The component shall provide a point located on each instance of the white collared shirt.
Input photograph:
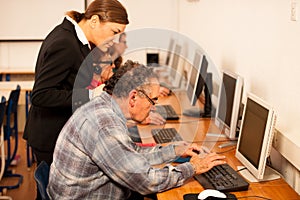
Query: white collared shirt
(80, 34)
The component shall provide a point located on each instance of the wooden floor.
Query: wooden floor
(27, 190)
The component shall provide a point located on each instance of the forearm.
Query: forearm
(158, 154)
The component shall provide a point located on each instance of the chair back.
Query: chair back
(2, 110)
(13, 101)
(11, 123)
(41, 176)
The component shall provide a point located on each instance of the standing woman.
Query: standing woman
(60, 57)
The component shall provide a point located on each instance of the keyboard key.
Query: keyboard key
(223, 178)
(167, 112)
(165, 135)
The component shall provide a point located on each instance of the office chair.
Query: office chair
(11, 130)
(2, 154)
(41, 176)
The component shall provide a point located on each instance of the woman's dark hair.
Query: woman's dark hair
(129, 76)
(107, 10)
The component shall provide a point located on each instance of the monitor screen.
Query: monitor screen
(152, 59)
(176, 68)
(254, 143)
(175, 61)
(194, 74)
(170, 49)
(229, 102)
(197, 79)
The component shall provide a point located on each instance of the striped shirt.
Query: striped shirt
(95, 158)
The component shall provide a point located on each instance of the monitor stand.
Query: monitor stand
(230, 143)
(196, 112)
(208, 111)
(269, 175)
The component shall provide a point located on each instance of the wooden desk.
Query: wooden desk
(276, 190)
(9, 71)
(11, 85)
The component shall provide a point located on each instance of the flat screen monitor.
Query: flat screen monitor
(197, 78)
(152, 59)
(229, 103)
(256, 135)
(175, 68)
(175, 60)
(194, 74)
(169, 51)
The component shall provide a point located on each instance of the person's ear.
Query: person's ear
(94, 19)
(132, 98)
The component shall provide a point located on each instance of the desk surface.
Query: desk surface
(29, 70)
(11, 85)
(277, 189)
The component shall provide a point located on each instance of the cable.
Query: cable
(241, 169)
(253, 197)
(182, 122)
(199, 141)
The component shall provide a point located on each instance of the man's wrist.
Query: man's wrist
(195, 168)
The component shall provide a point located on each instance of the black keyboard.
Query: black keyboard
(223, 178)
(165, 135)
(167, 112)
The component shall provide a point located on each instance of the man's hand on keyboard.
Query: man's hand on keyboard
(185, 149)
(154, 118)
(204, 164)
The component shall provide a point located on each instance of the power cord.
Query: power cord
(260, 197)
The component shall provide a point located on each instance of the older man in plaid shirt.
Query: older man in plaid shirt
(95, 157)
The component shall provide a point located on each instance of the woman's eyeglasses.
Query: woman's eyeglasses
(108, 62)
(98, 67)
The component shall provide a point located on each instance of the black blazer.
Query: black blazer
(58, 64)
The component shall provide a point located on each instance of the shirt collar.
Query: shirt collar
(115, 107)
(80, 34)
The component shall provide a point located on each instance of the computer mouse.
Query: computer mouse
(211, 193)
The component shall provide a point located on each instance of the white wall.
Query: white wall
(257, 40)
(152, 13)
(33, 19)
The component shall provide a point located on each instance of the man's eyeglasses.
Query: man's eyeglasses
(153, 101)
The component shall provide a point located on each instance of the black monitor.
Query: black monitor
(196, 78)
(198, 82)
(152, 59)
